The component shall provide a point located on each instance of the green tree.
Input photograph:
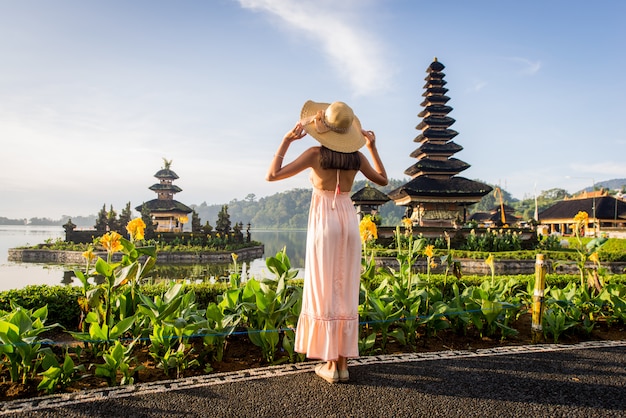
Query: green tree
(553, 195)
(112, 220)
(125, 216)
(101, 220)
(491, 200)
(146, 217)
(196, 226)
(223, 221)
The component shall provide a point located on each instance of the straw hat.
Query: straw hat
(334, 125)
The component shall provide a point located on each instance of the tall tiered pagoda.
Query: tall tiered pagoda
(436, 196)
(167, 214)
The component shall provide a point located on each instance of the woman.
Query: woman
(328, 325)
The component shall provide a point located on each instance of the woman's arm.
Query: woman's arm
(305, 160)
(377, 173)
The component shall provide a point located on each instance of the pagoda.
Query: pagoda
(436, 196)
(368, 201)
(167, 214)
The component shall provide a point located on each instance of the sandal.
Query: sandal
(327, 375)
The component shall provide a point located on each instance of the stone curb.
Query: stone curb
(65, 399)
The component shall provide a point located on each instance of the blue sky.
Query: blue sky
(93, 95)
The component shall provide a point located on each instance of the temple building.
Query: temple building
(494, 217)
(605, 213)
(167, 214)
(368, 201)
(436, 196)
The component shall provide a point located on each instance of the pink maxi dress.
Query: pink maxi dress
(328, 325)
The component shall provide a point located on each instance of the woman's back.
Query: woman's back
(326, 178)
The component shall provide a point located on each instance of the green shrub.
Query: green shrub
(206, 292)
(61, 300)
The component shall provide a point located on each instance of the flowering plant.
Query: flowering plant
(99, 300)
(368, 229)
(587, 252)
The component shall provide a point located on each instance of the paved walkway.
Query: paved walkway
(581, 380)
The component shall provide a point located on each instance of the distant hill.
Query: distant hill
(615, 184)
(289, 209)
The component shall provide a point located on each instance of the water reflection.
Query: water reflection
(294, 241)
(17, 275)
(190, 271)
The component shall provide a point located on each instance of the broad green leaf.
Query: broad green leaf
(122, 326)
(103, 268)
(173, 292)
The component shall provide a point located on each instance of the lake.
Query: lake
(18, 275)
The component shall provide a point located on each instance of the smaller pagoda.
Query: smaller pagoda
(368, 201)
(168, 215)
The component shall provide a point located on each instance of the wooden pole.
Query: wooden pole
(537, 309)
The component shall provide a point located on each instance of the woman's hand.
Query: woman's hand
(296, 133)
(370, 138)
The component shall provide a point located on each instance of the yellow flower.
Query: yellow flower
(235, 256)
(136, 229)
(581, 217)
(367, 229)
(408, 226)
(89, 255)
(111, 241)
(580, 222)
(429, 251)
(433, 264)
(594, 258)
(489, 261)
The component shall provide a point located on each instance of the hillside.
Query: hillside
(289, 209)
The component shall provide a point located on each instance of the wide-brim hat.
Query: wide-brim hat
(334, 125)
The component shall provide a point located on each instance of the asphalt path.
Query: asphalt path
(582, 380)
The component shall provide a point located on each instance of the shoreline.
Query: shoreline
(76, 257)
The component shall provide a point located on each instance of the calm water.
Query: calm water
(17, 275)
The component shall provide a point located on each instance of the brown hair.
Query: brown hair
(330, 159)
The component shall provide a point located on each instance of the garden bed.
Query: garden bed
(241, 354)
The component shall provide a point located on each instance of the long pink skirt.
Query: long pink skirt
(328, 326)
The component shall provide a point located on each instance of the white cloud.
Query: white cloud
(478, 86)
(353, 52)
(528, 67)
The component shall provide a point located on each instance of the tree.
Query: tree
(491, 201)
(553, 195)
(125, 216)
(196, 226)
(101, 220)
(112, 220)
(237, 231)
(146, 217)
(223, 221)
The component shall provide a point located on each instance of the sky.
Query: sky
(94, 95)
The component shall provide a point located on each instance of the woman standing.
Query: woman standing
(328, 325)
